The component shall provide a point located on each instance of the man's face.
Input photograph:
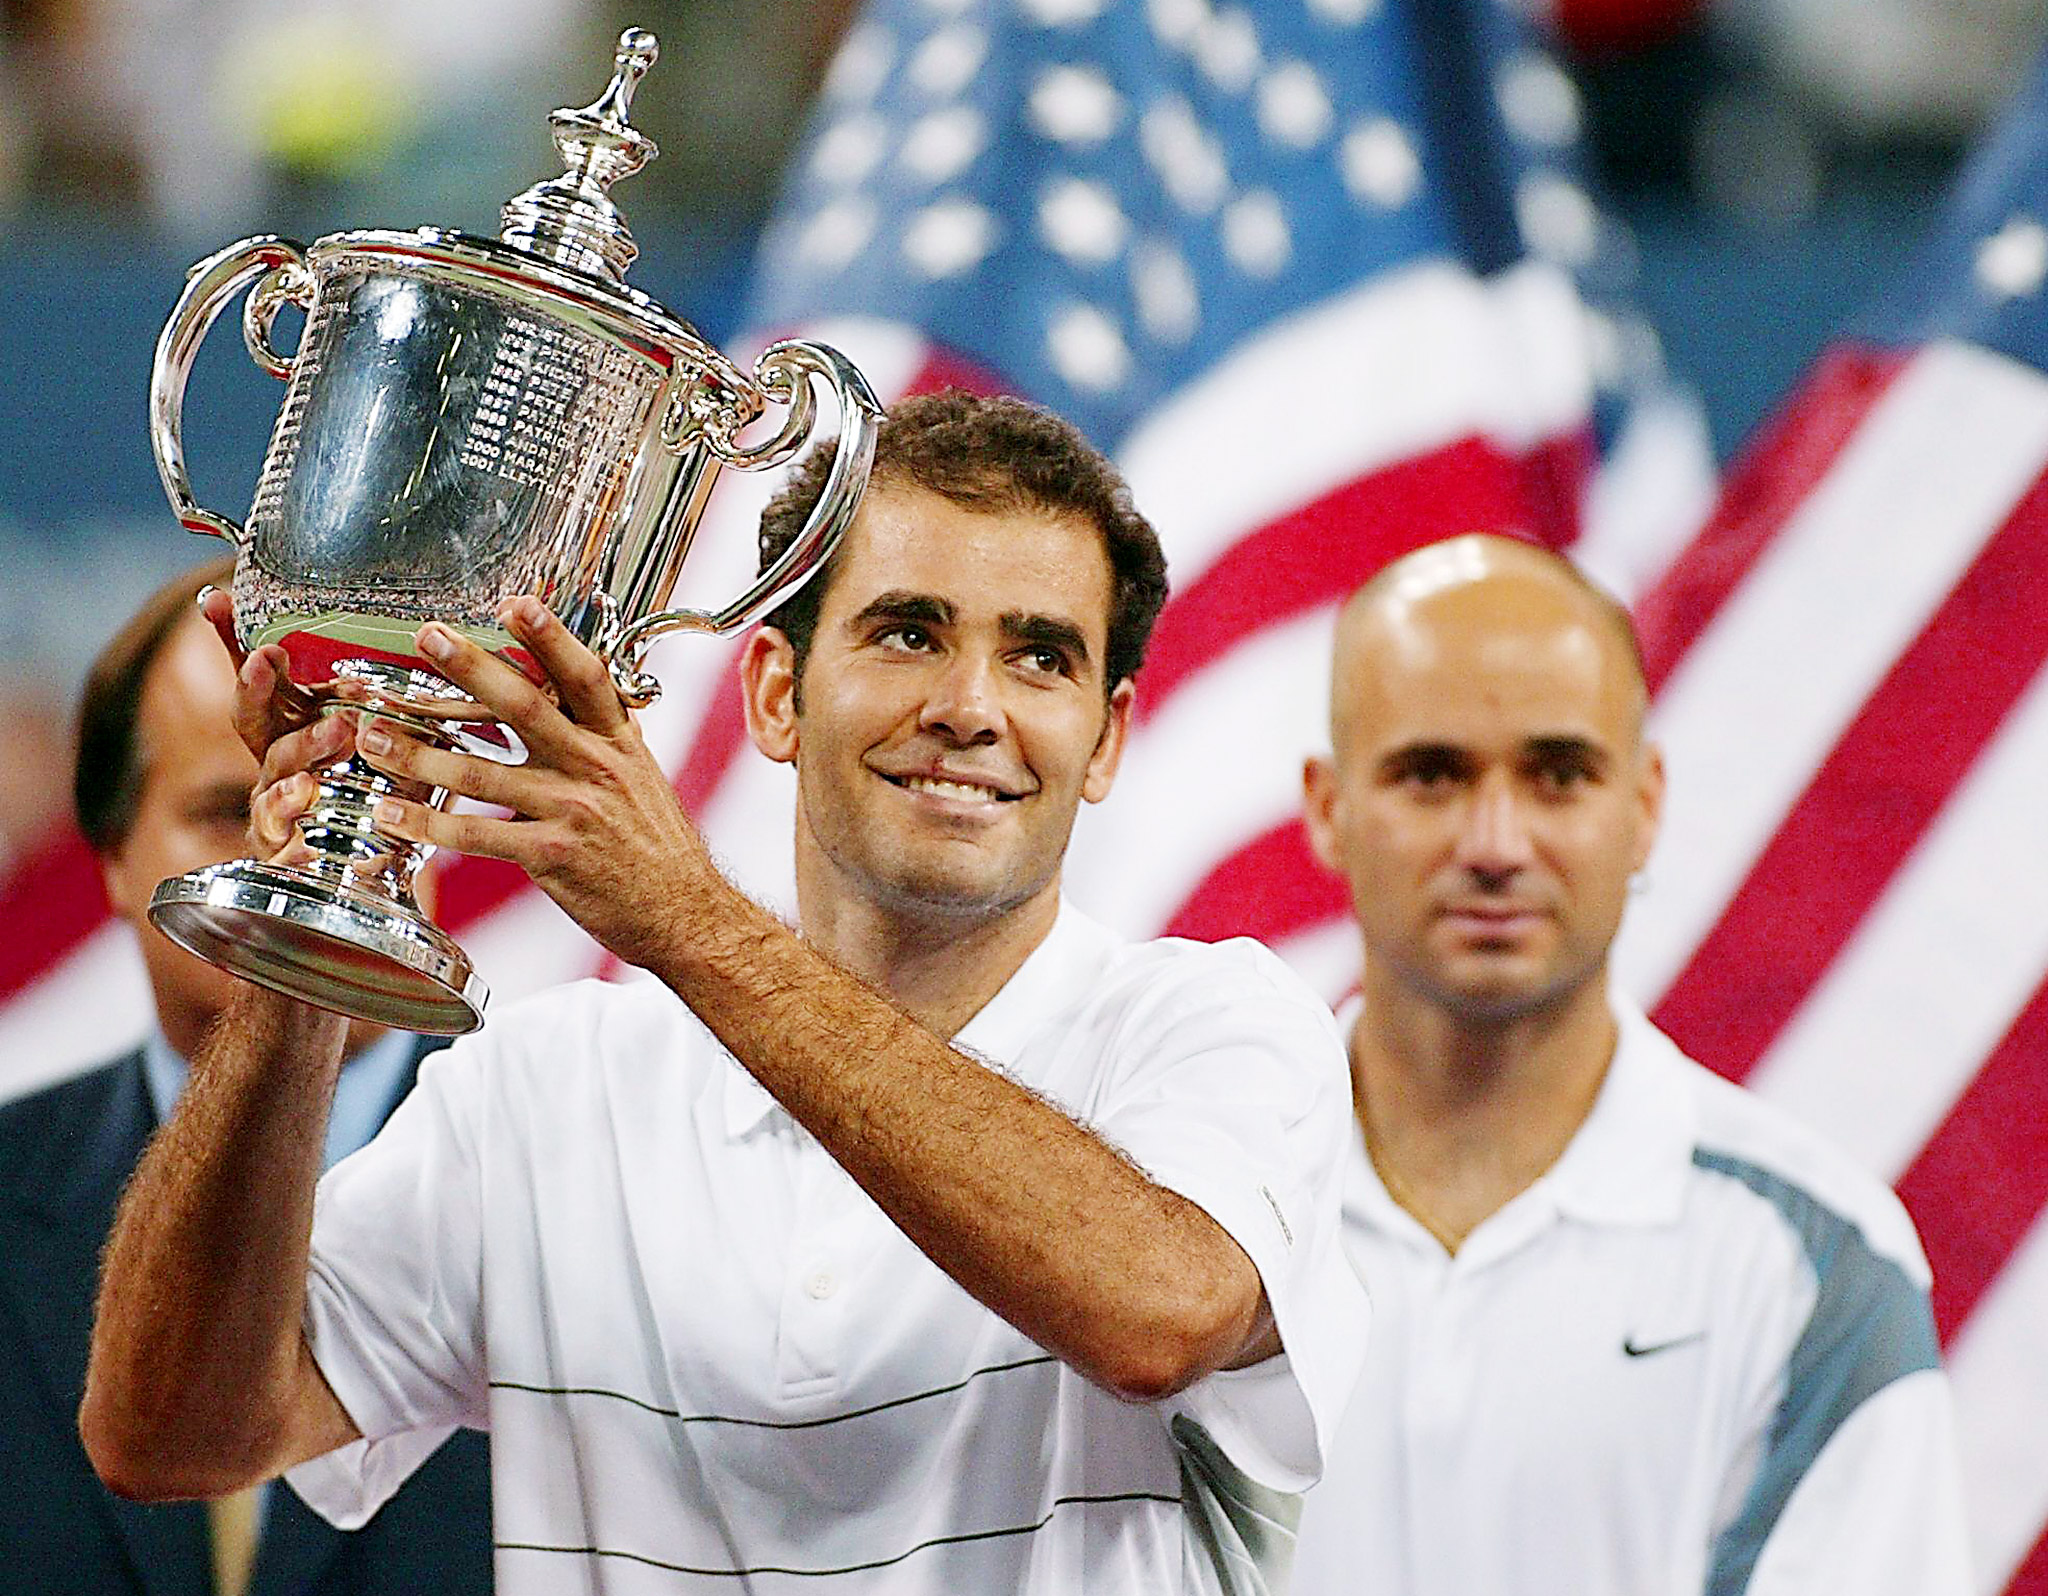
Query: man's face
(953, 708)
(1490, 796)
(193, 811)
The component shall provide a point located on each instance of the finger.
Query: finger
(217, 605)
(275, 809)
(327, 738)
(391, 750)
(266, 702)
(579, 675)
(500, 688)
(295, 852)
(485, 836)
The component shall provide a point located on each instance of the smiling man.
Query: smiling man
(1636, 1333)
(951, 1245)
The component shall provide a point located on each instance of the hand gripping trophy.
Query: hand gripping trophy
(467, 420)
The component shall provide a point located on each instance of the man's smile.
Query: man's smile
(955, 787)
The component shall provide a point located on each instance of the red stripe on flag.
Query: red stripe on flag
(1271, 888)
(943, 369)
(472, 888)
(1913, 741)
(2031, 1577)
(720, 735)
(1321, 552)
(1765, 488)
(1980, 1183)
(51, 901)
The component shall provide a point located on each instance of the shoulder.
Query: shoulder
(1805, 1181)
(1211, 977)
(1170, 1004)
(560, 1038)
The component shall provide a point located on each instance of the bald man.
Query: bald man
(1636, 1333)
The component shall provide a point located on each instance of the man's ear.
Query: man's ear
(1319, 810)
(1650, 796)
(1109, 747)
(768, 689)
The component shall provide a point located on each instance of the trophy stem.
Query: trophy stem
(342, 931)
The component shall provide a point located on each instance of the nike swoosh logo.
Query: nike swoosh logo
(1629, 1346)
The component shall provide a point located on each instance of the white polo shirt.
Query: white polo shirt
(709, 1362)
(1696, 1356)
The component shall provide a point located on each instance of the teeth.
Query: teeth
(938, 788)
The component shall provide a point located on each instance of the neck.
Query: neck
(940, 968)
(1463, 1114)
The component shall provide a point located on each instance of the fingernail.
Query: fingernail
(376, 741)
(390, 810)
(533, 612)
(435, 643)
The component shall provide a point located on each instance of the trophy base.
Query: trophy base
(359, 953)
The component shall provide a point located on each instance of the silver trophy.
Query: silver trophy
(466, 420)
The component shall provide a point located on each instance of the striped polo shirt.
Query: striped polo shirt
(1695, 1358)
(708, 1362)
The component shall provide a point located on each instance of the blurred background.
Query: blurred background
(1851, 663)
(1770, 161)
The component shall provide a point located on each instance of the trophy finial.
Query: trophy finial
(571, 219)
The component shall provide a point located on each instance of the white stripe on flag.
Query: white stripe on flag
(1429, 355)
(2000, 1381)
(1846, 587)
(1949, 955)
(1219, 766)
(526, 945)
(1329, 957)
(90, 1008)
(748, 826)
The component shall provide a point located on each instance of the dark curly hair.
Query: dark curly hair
(995, 455)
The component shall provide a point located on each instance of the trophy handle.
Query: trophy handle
(281, 266)
(784, 373)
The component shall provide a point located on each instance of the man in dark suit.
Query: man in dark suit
(162, 786)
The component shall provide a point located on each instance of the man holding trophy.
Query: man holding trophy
(1081, 1325)
(949, 1244)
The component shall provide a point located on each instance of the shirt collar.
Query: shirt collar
(1054, 973)
(1627, 1164)
(1629, 1161)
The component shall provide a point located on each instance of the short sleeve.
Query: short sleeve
(1231, 1088)
(1878, 1509)
(393, 1295)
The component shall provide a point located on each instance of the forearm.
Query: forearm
(1031, 1213)
(198, 1376)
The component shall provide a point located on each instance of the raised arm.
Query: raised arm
(1035, 1215)
(199, 1381)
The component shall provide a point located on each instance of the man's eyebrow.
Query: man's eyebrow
(1049, 630)
(1569, 745)
(1421, 751)
(902, 606)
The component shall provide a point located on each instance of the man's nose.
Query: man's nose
(962, 704)
(1494, 841)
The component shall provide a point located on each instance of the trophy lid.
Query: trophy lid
(571, 219)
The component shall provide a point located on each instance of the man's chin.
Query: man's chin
(1498, 988)
(964, 896)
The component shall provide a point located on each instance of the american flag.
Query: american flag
(1321, 275)
(1847, 905)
